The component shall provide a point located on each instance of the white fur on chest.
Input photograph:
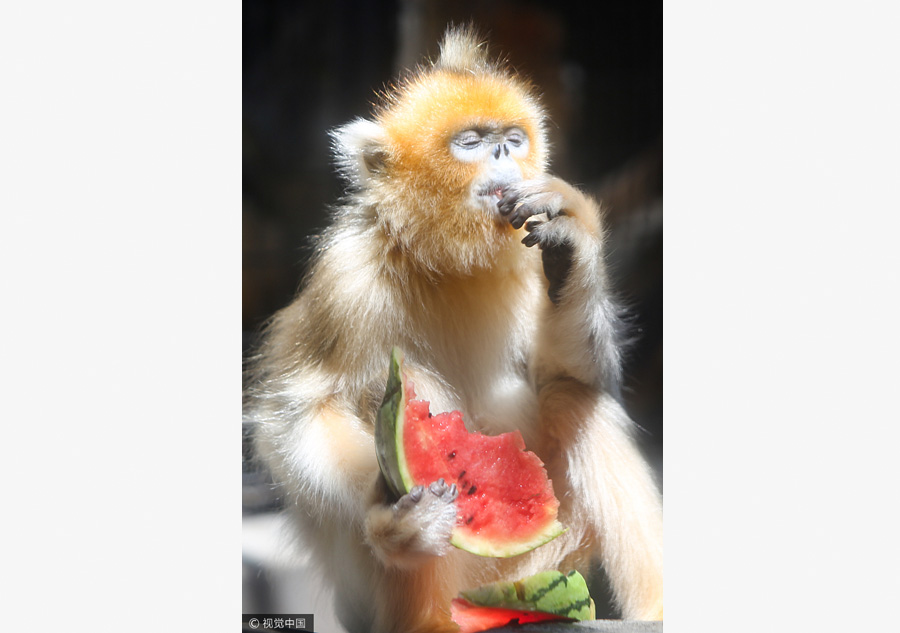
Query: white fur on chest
(490, 388)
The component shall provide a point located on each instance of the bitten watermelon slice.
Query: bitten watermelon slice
(549, 595)
(506, 504)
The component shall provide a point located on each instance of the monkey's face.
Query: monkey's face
(455, 137)
(498, 153)
(453, 141)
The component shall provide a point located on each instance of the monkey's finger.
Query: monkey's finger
(521, 213)
(517, 221)
(505, 204)
(514, 210)
(531, 239)
(532, 225)
(410, 499)
(509, 192)
(510, 201)
(441, 490)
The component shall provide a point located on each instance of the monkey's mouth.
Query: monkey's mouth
(489, 195)
(493, 190)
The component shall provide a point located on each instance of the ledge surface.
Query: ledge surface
(604, 626)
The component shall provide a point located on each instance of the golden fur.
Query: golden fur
(417, 258)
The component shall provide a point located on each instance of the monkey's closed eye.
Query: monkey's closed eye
(470, 139)
(515, 137)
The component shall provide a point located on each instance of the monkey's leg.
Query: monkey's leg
(612, 491)
(417, 601)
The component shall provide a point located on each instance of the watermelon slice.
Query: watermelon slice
(506, 504)
(472, 618)
(549, 595)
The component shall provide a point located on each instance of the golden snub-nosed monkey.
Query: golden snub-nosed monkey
(455, 244)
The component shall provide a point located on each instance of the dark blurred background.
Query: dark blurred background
(311, 66)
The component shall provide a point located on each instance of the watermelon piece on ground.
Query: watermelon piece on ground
(548, 595)
(472, 618)
(548, 591)
(506, 504)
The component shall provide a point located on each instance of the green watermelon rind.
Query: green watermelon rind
(504, 549)
(392, 461)
(550, 591)
(389, 429)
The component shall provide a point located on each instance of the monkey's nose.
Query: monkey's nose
(497, 151)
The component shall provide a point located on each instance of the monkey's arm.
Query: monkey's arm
(577, 373)
(579, 327)
(323, 460)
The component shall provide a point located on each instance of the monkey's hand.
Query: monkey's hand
(570, 225)
(415, 528)
(577, 337)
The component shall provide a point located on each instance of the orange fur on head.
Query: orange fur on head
(462, 90)
(435, 107)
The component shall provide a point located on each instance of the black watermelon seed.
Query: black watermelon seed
(452, 455)
(461, 475)
(470, 519)
(471, 491)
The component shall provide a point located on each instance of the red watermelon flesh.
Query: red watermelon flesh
(506, 503)
(472, 618)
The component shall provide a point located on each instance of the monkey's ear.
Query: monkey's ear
(361, 151)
